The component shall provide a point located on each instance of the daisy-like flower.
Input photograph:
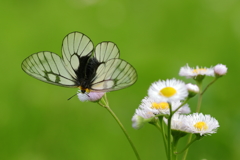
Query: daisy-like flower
(220, 70)
(144, 113)
(162, 108)
(192, 89)
(194, 72)
(167, 91)
(177, 122)
(197, 123)
(91, 96)
(152, 106)
(141, 117)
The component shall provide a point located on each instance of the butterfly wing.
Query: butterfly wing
(105, 51)
(113, 75)
(77, 48)
(48, 67)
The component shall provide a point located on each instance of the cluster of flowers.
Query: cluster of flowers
(170, 97)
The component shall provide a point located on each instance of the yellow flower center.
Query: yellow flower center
(161, 105)
(201, 126)
(199, 70)
(168, 92)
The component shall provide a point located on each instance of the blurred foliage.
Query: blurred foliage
(157, 37)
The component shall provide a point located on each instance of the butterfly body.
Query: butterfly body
(82, 66)
(85, 74)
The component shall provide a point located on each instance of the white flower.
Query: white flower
(192, 89)
(144, 113)
(154, 107)
(169, 90)
(177, 122)
(194, 72)
(220, 69)
(91, 96)
(148, 105)
(198, 123)
(141, 117)
(137, 121)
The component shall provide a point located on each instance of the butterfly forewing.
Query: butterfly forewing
(75, 46)
(48, 67)
(105, 51)
(113, 75)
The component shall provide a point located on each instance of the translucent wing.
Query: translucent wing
(113, 75)
(48, 67)
(75, 46)
(105, 51)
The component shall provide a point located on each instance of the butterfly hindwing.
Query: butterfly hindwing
(48, 67)
(105, 51)
(113, 75)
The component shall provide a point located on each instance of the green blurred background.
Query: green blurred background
(157, 37)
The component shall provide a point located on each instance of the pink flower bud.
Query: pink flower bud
(220, 69)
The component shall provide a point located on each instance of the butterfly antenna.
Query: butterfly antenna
(72, 96)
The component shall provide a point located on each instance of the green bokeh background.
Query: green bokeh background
(157, 37)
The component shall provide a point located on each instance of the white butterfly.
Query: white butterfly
(81, 66)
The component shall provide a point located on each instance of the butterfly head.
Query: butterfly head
(84, 90)
(85, 94)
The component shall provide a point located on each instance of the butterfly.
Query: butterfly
(82, 66)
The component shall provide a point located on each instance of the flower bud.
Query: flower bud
(220, 70)
(192, 89)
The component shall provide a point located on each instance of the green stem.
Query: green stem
(104, 102)
(175, 142)
(199, 97)
(188, 145)
(186, 150)
(162, 129)
(209, 85)
(169, 136)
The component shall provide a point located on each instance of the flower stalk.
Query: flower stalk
(104, 103)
